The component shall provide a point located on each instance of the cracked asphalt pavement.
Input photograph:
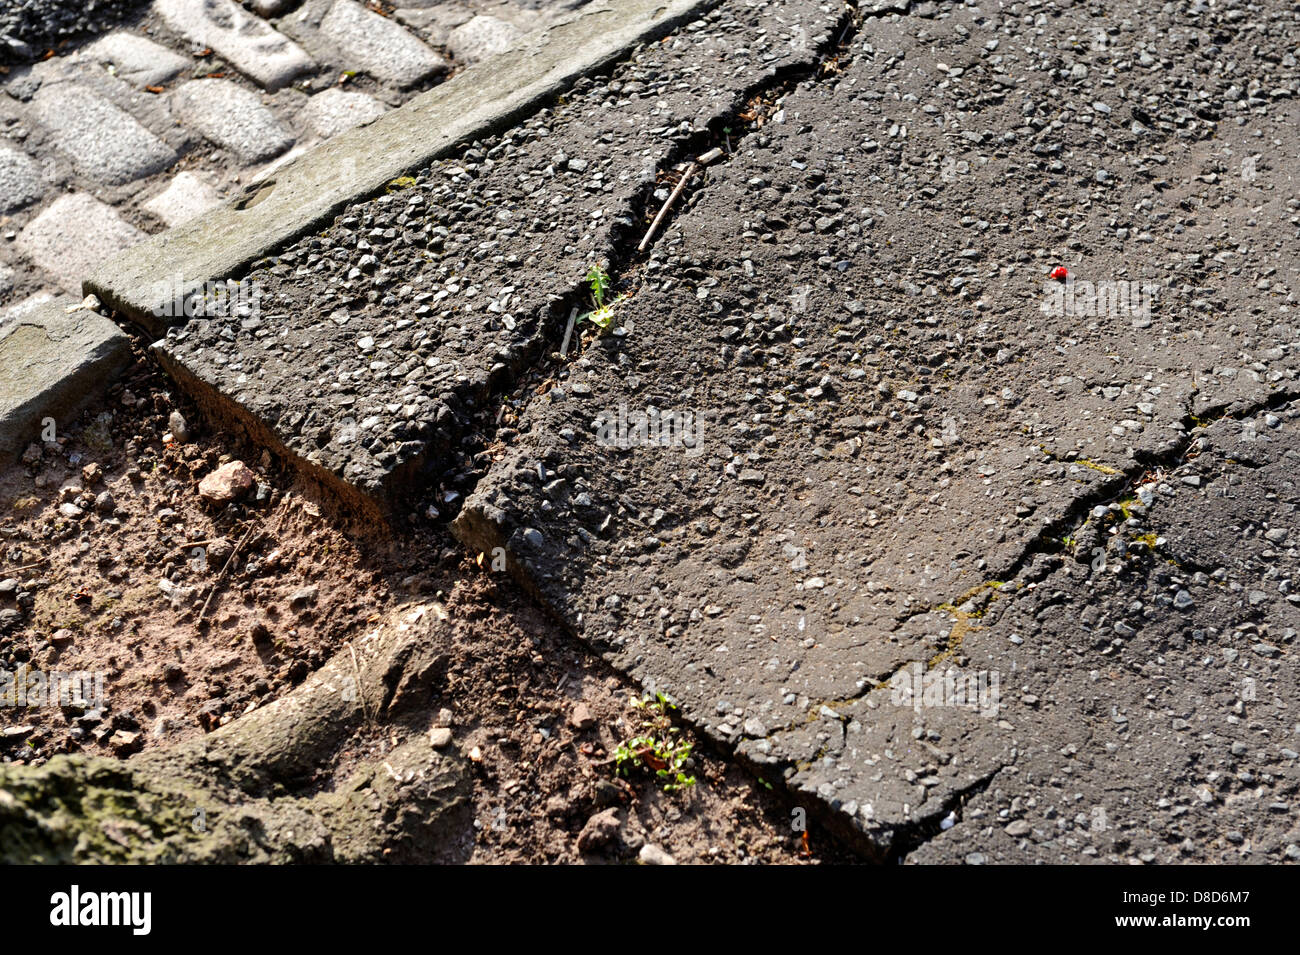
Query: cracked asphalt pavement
(939, 458)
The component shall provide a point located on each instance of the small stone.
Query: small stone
(260, 635)
(599, 831)
(440, 737)
(125, 742)
(178, 426)
(651, 854)
(304, 597)
(581, 717)
(226, 483)
(1018, 828)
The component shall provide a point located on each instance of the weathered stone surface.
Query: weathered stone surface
(52, 362)
(250, 43)
(379, 46)
(135, 59)
(233, 118)
(360, 162)
(481, 37)
(74, 235)
(21, 182)
(104, 142)
(334, 111)
(186, 197)
(25, 306)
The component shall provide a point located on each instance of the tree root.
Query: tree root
(246, 792)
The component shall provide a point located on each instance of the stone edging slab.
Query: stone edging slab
(151, 280)
(52, 362)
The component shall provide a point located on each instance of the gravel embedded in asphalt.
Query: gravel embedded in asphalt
(29, 27)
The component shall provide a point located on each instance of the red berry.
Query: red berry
(1060, 273)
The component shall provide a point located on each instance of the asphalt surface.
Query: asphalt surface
(30, 27)
(940, 460)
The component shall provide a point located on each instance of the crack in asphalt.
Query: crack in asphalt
(624, 262)
(1049, 541)
(915, 835)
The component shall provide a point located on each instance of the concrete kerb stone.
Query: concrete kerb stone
(52, 363)
(309, 191)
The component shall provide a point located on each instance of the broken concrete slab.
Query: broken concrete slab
(73, 235)
(52, 363)
(811, 459)
(306, 193)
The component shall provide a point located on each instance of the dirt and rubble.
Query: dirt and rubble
(196, 614)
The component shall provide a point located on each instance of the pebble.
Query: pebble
(179, 427)
(651, 854)
(227, 483)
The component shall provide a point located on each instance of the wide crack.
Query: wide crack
(686, 171)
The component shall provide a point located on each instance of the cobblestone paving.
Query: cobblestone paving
(188, 100)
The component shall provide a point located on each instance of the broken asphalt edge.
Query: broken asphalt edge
(149, 280)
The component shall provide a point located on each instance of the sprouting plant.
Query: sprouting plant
(602, 312)
(657, 748)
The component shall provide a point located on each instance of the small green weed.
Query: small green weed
(657, 748)
(602, 312)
